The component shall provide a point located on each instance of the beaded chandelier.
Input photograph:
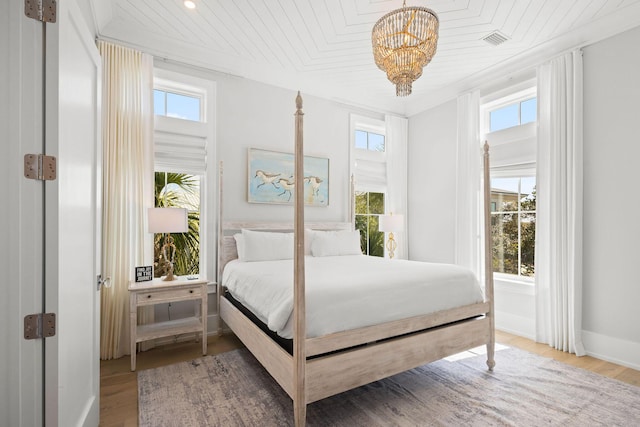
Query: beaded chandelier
(404, 41)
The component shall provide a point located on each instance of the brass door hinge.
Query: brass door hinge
(40, 325)
(39, 166)
(41, 10)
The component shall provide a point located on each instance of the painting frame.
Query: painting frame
(270, 176)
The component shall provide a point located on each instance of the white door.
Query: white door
(21, 219)
(72, 225)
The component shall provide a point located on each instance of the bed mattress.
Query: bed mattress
(349, 292)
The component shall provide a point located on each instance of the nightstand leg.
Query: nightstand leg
(204, 318)
(133, 326)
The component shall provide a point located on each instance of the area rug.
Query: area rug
(232, 389)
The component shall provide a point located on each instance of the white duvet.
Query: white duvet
(347, 292)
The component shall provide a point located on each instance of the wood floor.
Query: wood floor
(119, 386)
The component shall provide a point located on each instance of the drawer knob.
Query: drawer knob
(191, 291)
(148, 296)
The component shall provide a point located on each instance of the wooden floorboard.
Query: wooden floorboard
(119, 386)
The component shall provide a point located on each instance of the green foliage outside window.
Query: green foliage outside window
(513, 229)
(179, 190)
(369, 206)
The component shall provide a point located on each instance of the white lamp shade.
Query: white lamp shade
(168, 220)
(391, 223)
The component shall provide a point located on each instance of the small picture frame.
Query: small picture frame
(144, 273)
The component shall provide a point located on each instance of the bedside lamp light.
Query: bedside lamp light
(389, 224)
(168, 220)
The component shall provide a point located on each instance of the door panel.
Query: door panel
(21, 220)
(72, 230)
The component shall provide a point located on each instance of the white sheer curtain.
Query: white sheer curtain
(127, 135)
(559, 204)
(469, 158)
(397, 135)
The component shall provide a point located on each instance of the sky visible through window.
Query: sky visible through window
(513, 115)
(369, 141)
(511, 184)
(175, 105)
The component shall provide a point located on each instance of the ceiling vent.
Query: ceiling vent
(495, 38)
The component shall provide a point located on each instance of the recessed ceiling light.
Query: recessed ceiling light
(189, 4)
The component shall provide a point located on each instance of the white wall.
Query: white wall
(611, 317)
(611, 295)
(432, 184)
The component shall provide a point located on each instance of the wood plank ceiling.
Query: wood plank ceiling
(323, 47)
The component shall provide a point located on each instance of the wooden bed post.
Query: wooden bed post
(299, 332)
(488, 259)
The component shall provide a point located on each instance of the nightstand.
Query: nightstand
(143, 294)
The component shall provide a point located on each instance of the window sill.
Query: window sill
(503, 283)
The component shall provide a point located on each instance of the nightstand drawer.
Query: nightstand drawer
(169, 295)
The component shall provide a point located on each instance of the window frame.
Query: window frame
(520, 138)
(490, 104)
(384, 209)
(183, 131)
(515, 173)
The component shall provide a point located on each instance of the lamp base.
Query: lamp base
(391, 245)
(169, 277)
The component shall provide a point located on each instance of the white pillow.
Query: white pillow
(308, 238)
(239, 245)
(266, 246)
(330, 243)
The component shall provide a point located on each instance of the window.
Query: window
(184, 152)
(369, 141)
(369, 207)
(180, 106)
(513, 225)
(179, 190)
(515, 114)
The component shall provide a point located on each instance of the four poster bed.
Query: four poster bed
(321, 358)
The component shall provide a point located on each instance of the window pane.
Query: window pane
(528, 111)
(361, 139)
(528, 239)
(362, 224)
(528, 194)
(362, 203)
(504, 117)
(376, 142)
(513, 225)
(181, 191)
(158, 102)
(376, 203)
(504, 231)
(504, 193)
(368, 207)
(183, 107)
(376, 238)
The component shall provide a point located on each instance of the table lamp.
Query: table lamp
(389, 224)
(168, 220)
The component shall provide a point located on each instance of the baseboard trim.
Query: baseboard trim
(614, 350)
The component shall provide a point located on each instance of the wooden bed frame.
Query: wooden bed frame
(390, 348)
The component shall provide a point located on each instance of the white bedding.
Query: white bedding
(347, 292)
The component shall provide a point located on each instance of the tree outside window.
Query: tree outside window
(513, 225)
(179, 190)
(369, 207)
